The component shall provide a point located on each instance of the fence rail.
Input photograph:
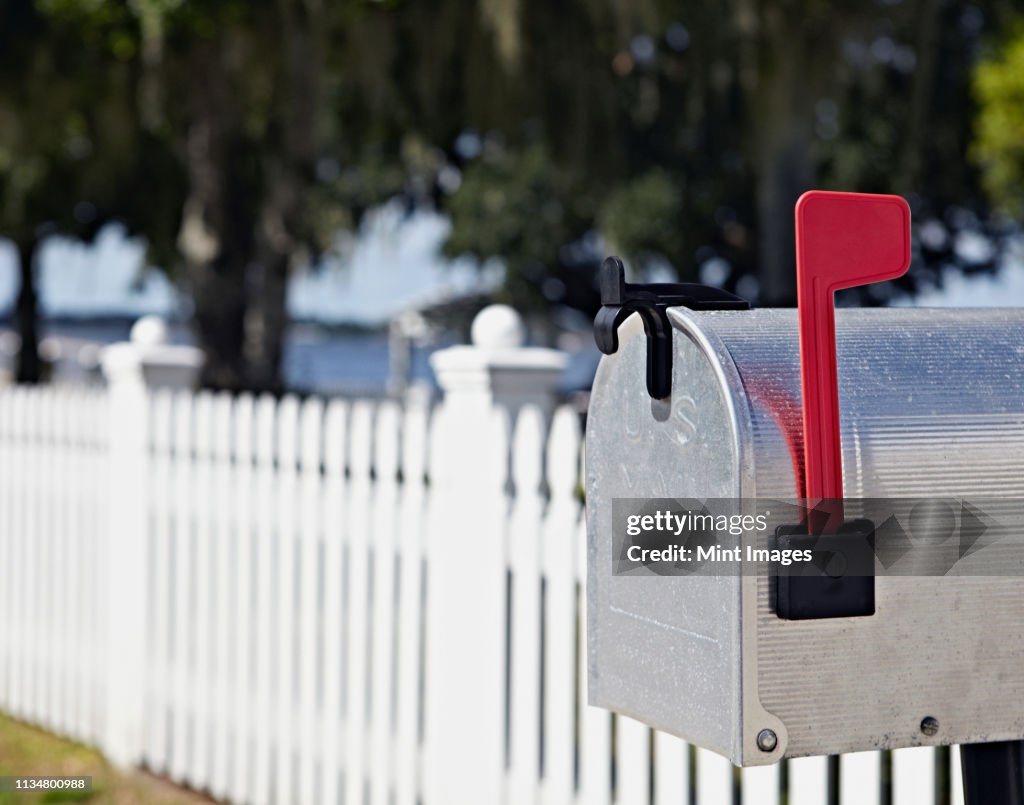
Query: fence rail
(321, 601)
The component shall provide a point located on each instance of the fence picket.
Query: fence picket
(465, 715)
(36, 561)
(714, 778)
(22, 559)
(955, 777)
(562, 523)
(671, 769)
(62, 466)
(18, 546)
(50, 577)
(285, 639)
(357, 654)
(309, 543)
(523, 546)
(38, 604)
(56, 562)
(860, 778)
(31, 589)
(182, 723)
(8, 540)
(332, 636)
(32, 564)
(160, 576)
(223, 578)
(808, 781)
(595, 723)
(382, 537)
(68, 463)
(79, 558)
(913, 776)
(202, 447)
(408, 662)
(83, 646)
(263, 723)
(634, 762)
(99, 575)
(242, 633)
(760, 785)
(59, 570)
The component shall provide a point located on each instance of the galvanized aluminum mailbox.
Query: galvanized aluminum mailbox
(930, 403)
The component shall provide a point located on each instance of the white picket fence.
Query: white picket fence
(326, 601)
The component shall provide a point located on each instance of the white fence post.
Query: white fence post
(496, 370)
(485, 385)
(130, 368)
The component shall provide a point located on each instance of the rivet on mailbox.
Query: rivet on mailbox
(841, 635)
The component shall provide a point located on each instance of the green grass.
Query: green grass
(27, 751)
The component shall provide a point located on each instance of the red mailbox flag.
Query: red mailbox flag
(842, 240)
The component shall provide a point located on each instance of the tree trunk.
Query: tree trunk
(267, 323)
(783, 129)
(215, 265)
(29, 369)
(928, 15)
(282, 227)
(245, 218)
(218, 296)
(785, 173)
(216, 230)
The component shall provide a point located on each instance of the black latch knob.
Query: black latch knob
(619, 299)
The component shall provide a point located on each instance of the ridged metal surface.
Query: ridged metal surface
(932, 401)
(932, 404)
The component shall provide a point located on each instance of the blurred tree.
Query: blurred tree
(999, 144)
(517, 204)
(641, 217)
(272, 110)
(899, 119)
(739, 107)
(240, 137)
(64, 132)
(234, 89)
(26, 166)
(227, 103)
(220, 152)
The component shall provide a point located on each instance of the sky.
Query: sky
(1002, 289)
(395, 263)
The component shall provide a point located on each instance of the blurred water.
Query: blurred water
(315, 359)
(349, 363)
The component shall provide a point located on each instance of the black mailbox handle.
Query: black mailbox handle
(619, 299)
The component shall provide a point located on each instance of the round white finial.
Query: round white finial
(498, 327)
(149, 331)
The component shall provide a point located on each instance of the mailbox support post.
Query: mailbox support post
(993, 773)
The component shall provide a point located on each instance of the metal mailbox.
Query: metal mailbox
(932, 404)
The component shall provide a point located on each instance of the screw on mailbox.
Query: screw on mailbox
(767, 740)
